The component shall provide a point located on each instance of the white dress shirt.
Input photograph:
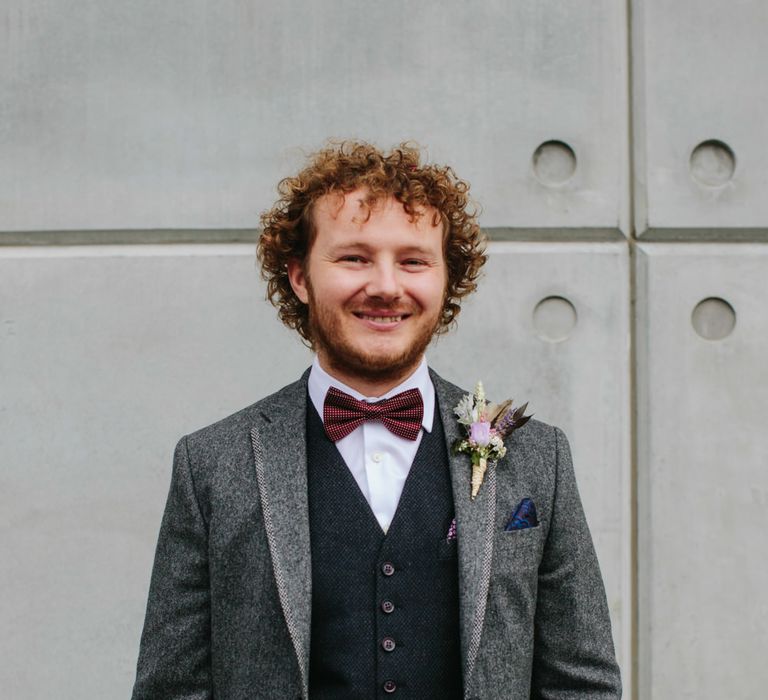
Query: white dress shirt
(378, 459)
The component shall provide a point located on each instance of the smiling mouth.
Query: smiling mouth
(381, 319)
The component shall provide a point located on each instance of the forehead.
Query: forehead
(356, 212)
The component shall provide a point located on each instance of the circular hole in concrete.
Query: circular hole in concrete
(712, 163)
(554, 163)
(554, 318)
(713, 318)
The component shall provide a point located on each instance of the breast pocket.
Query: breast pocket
(520, 549)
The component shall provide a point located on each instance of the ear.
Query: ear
(298, 279)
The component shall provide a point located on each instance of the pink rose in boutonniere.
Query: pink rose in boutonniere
(486, 426)
(480, 433)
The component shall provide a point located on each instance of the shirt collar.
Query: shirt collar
(320, 381)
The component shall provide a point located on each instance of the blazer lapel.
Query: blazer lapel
(474, 526)
(280, 453)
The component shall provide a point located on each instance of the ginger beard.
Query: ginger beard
(341, 355)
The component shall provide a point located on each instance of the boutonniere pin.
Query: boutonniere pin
(486, 426)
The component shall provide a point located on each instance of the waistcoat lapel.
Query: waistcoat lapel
(474, 527)
(280, 453)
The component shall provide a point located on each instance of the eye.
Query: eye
(356, 259)
(413, 262)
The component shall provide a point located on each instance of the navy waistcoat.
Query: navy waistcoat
(385, 608)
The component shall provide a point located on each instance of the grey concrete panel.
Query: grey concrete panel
(699, 75)
(109, 354)
(147, 115)
(702, 481)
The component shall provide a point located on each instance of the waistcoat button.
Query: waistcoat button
(388, 644)
(387, 606)
(390, 686)
(387, 568)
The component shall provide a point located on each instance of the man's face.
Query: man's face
(375, 289)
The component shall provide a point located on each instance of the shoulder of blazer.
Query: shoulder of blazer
(233, 432)
(534, 451)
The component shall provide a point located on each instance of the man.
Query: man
(323, 542)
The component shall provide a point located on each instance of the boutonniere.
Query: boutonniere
(486, 425)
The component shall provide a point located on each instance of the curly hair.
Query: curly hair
(340, 168)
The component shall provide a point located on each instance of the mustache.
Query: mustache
(372, 307)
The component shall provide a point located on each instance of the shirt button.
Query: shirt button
(390, 686)
(388, 644)
(387, 568)
(377, 456)
(387, 606)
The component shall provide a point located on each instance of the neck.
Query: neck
(371, 385)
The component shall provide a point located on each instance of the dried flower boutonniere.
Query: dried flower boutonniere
(486, 425)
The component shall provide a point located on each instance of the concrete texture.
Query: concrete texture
(147, 115)
(703, 485)
(109, 354)
(698, 75)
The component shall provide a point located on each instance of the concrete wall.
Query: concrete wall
(700, 174)
(703, 488)
(700, 146)
(184, 115)
(148, 122)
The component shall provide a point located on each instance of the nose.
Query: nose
(384, 282)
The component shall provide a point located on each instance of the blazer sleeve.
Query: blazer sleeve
(573, 649)
(175, 654)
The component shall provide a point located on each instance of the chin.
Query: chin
(380, 363)
(374, 364)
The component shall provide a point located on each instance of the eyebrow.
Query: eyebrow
(364, 247)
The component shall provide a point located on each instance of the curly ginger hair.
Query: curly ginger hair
(288, 228)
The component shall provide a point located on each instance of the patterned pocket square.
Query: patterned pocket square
(451, 536)
(524, 516)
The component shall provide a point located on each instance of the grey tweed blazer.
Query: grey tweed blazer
(229, 607)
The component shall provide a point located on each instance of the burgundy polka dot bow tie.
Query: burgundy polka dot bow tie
(401, 414)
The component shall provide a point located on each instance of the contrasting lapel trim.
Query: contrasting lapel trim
(474, 524)
(280, 453)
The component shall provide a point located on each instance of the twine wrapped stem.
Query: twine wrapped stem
(478, 472)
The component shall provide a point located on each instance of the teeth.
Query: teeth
(382, 319)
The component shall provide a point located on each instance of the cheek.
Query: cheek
(340, 290)
(430, 292)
